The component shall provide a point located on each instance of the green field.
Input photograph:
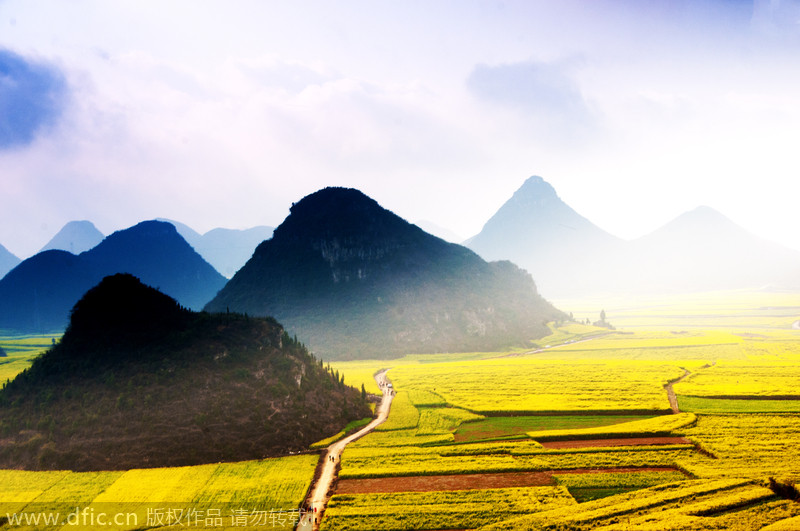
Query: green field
(698, 404)
(517, 426)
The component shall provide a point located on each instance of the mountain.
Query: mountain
(564, 251)
(704, 250)
(138, 381)
(701, 250)
(8, 261)
(75, 237)
(440, 232)
(38, 294)
(225, 249)
(355, 280)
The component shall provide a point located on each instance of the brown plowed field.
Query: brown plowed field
(641, 441)
(470, 481)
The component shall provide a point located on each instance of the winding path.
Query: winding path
(673, 400)
(333, 454)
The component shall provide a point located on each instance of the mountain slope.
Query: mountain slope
(75, 237)
(225, 249)
(138, 381)
(535, 229)
(156, 253)
(38, 294)
(355, 280)
(8, 261)
(704, 250)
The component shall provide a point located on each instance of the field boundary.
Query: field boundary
(574, 413)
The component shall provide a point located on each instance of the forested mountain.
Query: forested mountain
(138, 381)
(355, 280)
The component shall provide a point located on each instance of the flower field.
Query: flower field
(460, 509)
(533, 385)
(20, 351)
(255, 492)
(764, 378)
(460, 419)
(688, 505)
(718, 481)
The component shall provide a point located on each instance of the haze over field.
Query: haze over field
(221, 115)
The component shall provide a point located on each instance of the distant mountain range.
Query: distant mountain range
(8, 261)
(38, 294)
(225, 249)
(138, 382)
(354, 280)
(440, 232)
(569, 256)
(75, 237)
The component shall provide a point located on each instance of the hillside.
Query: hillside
(38, 294)
(225, 249)
(75, 237)
(355, 280)
(8, 261)
(138, 381)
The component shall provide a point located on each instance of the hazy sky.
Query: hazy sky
(224, 113)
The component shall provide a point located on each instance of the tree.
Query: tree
(363, 392)
(602, 316)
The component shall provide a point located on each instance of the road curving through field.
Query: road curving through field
(330, 459)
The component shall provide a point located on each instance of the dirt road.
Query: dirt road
(333, 454)
(559, 345)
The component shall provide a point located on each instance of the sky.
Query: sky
(222, 114)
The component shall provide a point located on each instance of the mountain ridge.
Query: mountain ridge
(226, 250)
(537, 230)
(699, 250)
(75, 237)
(38, 294)
(8, 261)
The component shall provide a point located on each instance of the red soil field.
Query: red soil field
(641, 441)
(470, 481)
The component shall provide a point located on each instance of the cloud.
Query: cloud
(536, 102)
(31, 98)
(532, 86)
(290, 77)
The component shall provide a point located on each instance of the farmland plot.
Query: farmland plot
(533, 385)
(460, 509)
